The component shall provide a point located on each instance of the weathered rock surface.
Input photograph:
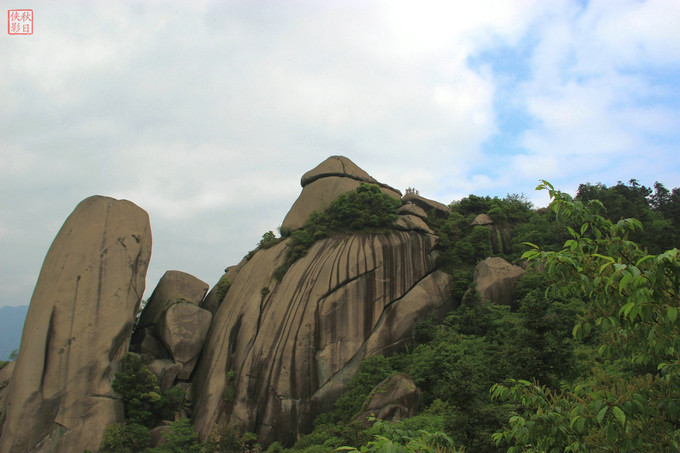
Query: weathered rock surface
(184, 330)
(336, 166)
(285, 349)
(172, 323)
(159, 433)
(411, 222)
(173, 287)
(495, 279)
(394, 399)
(412, 209)
(440, 209)
(166, 371)
(323, 184)
(5, 375)
(482, 219)
(78, 326)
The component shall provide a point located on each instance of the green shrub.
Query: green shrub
(222, 288)
(139, 389)
(225, 438)
(365, 209)
(181, 438)
(280, 271)
(274, 447)
(142, 399)
(268, 240)
(125, 438)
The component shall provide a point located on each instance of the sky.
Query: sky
(207, 113)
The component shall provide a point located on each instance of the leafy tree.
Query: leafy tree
(365, 209)
(391, 437)
(268, 240)
(142, 399)
(222, 287)
(125, 438)
(139, 389)
(630, 400)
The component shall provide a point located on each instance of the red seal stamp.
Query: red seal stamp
(20, 21)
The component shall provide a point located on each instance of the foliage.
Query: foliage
(142, 399)
(372, 372)
(268, 240)
(222, 438)
(12, 356)
(222, 287)
(339, 427)
(365, 209)
(138, 387)
(125, 438)
(658, 211)
(630, 399)
(181, 438)
(391, 437)
(225, 438)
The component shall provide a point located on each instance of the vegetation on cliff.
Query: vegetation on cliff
(365, 209)
(610, 384)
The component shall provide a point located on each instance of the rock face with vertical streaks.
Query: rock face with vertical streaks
(280, 352)
(78, 326)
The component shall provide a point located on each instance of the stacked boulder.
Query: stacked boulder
(172, 327)
(412, 217)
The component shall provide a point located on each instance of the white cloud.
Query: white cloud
(207, 113)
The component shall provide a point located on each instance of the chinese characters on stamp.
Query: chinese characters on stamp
(20, 21)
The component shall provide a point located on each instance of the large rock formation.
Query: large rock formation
(272, 352)
(324, 183)
(279, 352)
(78, 326)
(495, 279)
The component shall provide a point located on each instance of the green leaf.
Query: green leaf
(572, 232)
(580, 424)
(601, 414)
(626, 309)
(672, 314)
(620, 416)
(625, 281)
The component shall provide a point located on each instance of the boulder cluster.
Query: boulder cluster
(263, 352)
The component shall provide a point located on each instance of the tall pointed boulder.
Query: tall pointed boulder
(78, 326)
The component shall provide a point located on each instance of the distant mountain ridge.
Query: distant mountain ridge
(11, 325)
